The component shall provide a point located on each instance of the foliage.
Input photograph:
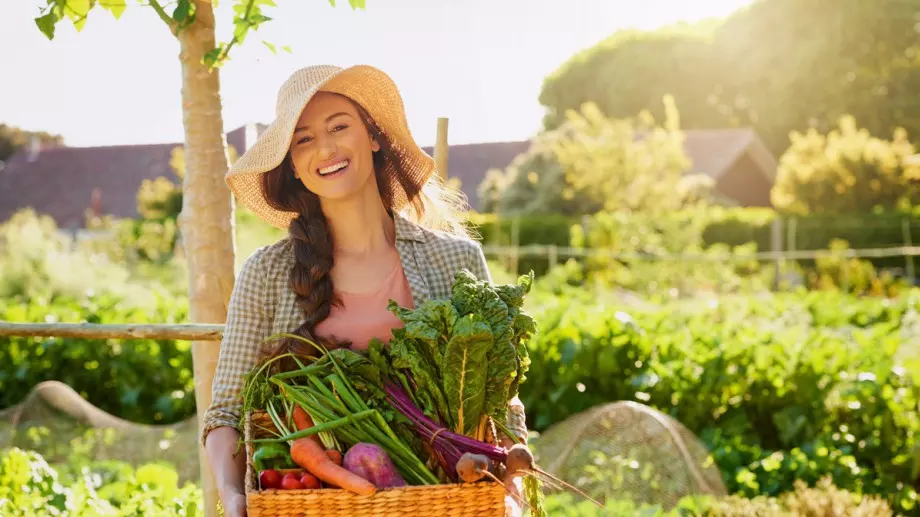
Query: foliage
(40, 262)
(111, 488)
(780, 388)
(248, 16)
(819, 501)
(14, 139)
(30, 486)
(731, 227)
(142, 380)
(845, 171)
(723, 75)
(596, 163)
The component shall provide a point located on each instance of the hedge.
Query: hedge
(732, 226)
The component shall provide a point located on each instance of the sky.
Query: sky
(481, 63)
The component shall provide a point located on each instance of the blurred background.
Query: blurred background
(719, 199)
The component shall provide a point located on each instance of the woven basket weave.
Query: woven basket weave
(482, 499)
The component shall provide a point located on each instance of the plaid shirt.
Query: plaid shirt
(263, 304)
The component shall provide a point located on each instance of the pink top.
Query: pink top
(364, 316)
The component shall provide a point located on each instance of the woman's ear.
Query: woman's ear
(375, 145)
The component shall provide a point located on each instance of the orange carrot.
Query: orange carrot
(335, 456)
(311, 456)
(303, 421)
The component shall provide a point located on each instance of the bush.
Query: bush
(845, 171)
(141, 380)
(30, 486)
(786, 388)
(819, 501)
(728, 226)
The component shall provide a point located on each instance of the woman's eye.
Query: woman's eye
(304, 140)
(340, 127)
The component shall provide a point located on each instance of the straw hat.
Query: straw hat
(366, 85)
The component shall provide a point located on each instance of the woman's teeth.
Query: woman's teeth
(333, 168)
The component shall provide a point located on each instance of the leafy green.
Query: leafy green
(465, 355)
(465, 372)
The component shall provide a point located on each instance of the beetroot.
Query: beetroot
(372, 463)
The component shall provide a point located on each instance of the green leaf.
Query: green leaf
(405, 356)
(116, 7)
(77, 11)
(270, 47)
(465, 372)
(287, 48)
(211, 57)
(182, 11)
(356, 4)
(46, 25)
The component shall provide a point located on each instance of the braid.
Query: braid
(310, 277)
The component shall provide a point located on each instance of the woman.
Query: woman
(367, 223)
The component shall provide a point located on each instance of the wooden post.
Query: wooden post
(908, 241)
(515, 244)
(776, 245)
(440, 148)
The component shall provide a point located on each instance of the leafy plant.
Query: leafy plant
(780, 389)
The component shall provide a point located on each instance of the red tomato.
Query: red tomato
(290, 482)
(269, 479)
(309, 481)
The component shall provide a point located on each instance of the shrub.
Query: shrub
(780, 389)
(142, 380)
(30, 486)
(845, 171)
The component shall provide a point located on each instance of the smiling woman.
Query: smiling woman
(367, 221)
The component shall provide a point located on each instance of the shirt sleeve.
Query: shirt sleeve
(247, 326)
(516, 419)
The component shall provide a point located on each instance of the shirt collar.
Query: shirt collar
(407, 230)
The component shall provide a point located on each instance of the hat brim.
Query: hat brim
(373, 90)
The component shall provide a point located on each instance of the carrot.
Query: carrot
(303, 421)
(311, 456)
(335, 456)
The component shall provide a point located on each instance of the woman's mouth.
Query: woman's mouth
(335, 168)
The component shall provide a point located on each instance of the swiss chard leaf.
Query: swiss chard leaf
(430, 325)
(405, 359)
(465, 372)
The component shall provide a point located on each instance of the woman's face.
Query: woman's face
(331, 149)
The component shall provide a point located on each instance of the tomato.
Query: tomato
(269, 479)
(290, 482)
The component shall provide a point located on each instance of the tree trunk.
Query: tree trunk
(207, 211)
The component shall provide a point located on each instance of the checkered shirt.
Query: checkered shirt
(263, 304)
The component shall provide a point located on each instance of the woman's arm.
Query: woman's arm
(248, 324)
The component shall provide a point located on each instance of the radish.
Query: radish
(473, 467)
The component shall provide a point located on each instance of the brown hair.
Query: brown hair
(433, 206)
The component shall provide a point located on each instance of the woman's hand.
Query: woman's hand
(234, 504)
(513, 498)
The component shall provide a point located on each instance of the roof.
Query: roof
(711, 152)
(470, 162)
(60, 181)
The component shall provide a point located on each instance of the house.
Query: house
(64, 182)
(740, 165)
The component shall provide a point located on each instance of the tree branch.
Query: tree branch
(163, 16)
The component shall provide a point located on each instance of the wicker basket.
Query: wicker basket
(482, 499)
